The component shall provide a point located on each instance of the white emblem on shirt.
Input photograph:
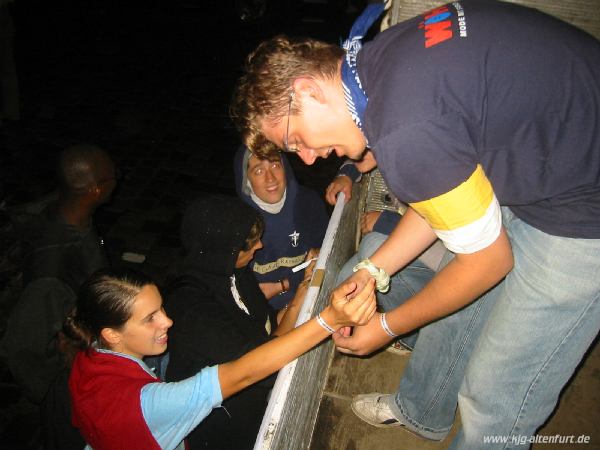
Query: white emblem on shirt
(295, 238)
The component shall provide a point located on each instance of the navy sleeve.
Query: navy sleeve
(386, 222)
(349, 169)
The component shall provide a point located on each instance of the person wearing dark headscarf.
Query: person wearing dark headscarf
(220, 313)
(295, 221)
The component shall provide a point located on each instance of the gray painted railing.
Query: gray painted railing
(293, 406)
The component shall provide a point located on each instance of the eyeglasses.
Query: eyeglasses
(286, 147)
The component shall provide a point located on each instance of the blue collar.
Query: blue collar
(356, 98)
(141, 363)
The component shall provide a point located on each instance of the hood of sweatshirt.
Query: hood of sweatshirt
(213, 231)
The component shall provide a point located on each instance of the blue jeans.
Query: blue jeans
(506, 357)
(403, 285)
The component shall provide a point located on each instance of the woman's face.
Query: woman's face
(145, 333)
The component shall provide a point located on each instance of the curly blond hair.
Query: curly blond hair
(263, 91)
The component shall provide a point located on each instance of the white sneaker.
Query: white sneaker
(373, 409)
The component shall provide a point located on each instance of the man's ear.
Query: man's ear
(309, 87)
(111, 336)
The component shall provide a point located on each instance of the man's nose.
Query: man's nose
(308, 155)
(269, 175)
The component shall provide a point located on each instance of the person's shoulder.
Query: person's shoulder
(187, 291)
(184, 282)
(202, 289)
(47, 286)
(42, 300)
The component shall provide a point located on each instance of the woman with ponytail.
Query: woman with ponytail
(119, 403)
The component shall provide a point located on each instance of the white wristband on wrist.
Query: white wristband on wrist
(324, 324)
(382, 279)
(386, 327)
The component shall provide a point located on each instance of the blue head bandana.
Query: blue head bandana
(356, 98)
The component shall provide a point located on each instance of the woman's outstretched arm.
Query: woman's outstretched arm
(272, 356)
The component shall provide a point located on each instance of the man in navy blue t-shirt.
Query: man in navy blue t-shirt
(484, 117)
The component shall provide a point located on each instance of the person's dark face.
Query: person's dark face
(106, 179)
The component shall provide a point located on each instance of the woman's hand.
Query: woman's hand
(344, 311)
(286, 318)
(311, 254)
(359, 280)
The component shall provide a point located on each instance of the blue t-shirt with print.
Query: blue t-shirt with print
(480, 103)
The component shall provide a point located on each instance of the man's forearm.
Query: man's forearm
(463, 280)
(411, 237)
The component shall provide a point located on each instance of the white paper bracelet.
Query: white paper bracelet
(324, 324)
(386, 327)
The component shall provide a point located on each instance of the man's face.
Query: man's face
(267, 178)
(317, 131)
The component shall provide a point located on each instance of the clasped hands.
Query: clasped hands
(368, 336)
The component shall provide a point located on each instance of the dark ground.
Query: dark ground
(150, 81)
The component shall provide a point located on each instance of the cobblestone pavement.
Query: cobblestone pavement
(151, 83)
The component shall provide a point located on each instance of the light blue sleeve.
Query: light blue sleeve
(172, 410)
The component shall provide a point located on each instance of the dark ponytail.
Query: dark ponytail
(105, 301)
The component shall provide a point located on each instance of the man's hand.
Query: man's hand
(341, 183)
(364, 340)
(367, 163)
(368, 221)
